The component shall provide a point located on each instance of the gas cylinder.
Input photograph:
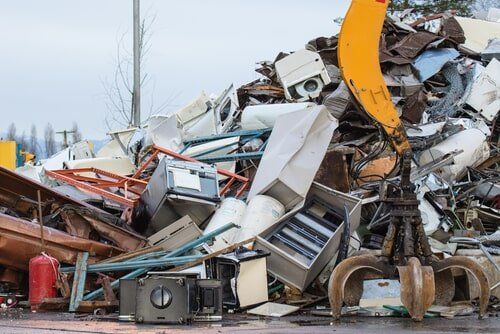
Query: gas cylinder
(42, 279)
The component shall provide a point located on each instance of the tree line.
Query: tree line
(465, 8)
(49, 144)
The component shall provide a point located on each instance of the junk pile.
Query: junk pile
(248, 201)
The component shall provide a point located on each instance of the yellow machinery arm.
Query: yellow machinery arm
(406, 251)
(358, 55)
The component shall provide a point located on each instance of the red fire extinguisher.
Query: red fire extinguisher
(43, 272)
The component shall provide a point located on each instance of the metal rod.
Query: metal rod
(199, 140)
(179, 251)
(129, 265)
(134, 255)
(231, 157)
(40, 219)
(140, 257)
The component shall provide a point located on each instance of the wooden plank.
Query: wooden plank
(78, 281)
(54, 304)
(212, 255)
(88, 306)
(129, 255)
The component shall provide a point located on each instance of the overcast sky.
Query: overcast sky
(55, 54)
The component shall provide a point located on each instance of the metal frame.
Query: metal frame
(132, 186)
(175, 253)
(102, 183)
(246, 135)
(79, 281)
(232, 176)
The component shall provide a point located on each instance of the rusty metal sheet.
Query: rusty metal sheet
(345, 269)
(412, 44)
(473, 268)
(20, 241)
(387, 57)
(453, 30)
(10, 278)
(334, 169)
(19, 194)
(76, 216)
(414, 107)
(417, 288)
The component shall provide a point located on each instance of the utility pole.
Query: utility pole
(65, 137)
(136, 97)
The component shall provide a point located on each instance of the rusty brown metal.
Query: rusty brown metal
(10, 278)
(417, 288)
(412, 44)
(407, 248)
(76, 225)
(343, 271)
(88, 306)
(54, 304)
(129, 255)
(475, 270)
(102, 183)
(19, 194)
(20, 241)
(109, 295)
(77, 217)
(105, 183)
(62, 285)
(444, 283)
(335, 160)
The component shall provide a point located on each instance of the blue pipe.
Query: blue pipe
(135, 258)
(141, 264)
(181, 250)
(241, 133)
(127, 265)
(232, 157)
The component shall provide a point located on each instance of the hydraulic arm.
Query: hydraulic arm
(406, 253)
(359, 62)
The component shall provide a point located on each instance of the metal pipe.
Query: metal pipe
(134, 254)
(181, 250)
(40, 220)
(199, 140)
(232, 157)
(141, 258)
(141, 264)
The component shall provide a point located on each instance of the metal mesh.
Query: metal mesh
(450, 104)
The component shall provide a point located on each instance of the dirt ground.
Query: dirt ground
(24, 322)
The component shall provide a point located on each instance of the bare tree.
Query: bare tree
(49, 138)
(23, 141)
(33, 142)
(11, 132)
(118, 90)
(76, 134)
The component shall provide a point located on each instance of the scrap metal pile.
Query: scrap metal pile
(255, 196)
